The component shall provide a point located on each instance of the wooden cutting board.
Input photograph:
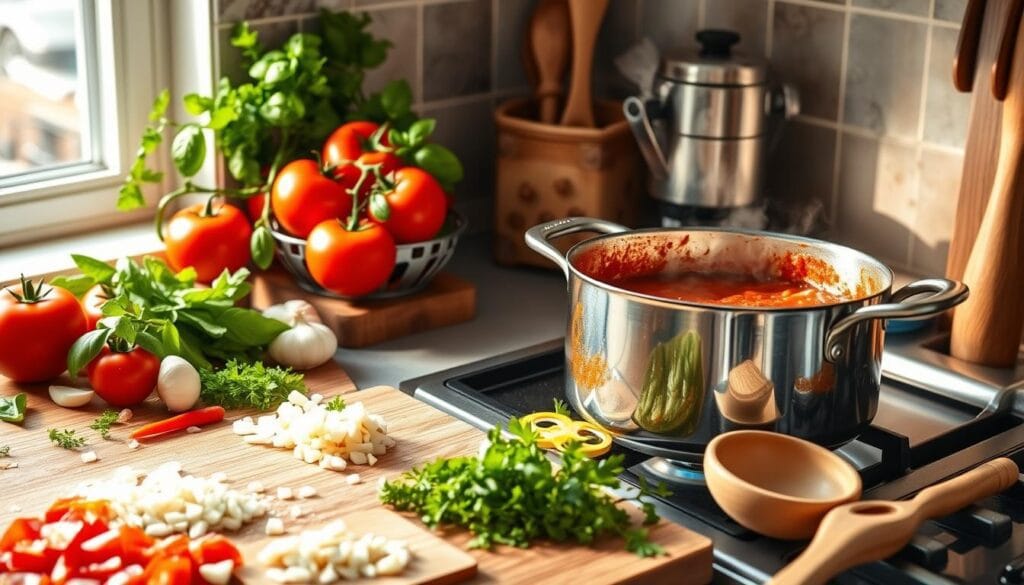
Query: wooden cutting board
(446, 301)
(422, 434)
(435, 562)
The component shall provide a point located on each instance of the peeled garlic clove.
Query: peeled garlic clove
(69, 397)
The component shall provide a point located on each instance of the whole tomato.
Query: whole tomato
(38, 325)
(348, 141)
(417, 206)
(302, 197)
(209, 239)
(350, 263)
(386, 162)
(92, 304)
(254, 206)
(123, 378)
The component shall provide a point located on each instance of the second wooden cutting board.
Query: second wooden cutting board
(422, 434)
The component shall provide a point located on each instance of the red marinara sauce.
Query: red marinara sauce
(720, 288)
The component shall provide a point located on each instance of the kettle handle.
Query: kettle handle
(635, 110)
(539, 236)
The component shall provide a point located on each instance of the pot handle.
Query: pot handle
(539, 236)
(945, 294)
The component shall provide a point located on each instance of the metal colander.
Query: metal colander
(415, 264)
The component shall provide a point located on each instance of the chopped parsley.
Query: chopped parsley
(66, 439)
(242, 385)
(336, 403)
(103, 423)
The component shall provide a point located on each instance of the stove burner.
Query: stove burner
(674, 472)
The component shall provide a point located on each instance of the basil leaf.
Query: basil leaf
(160, 105)
(440, 162)
(249, 327)
(421, 130)
(85, 349)
(262, 247)
(189, 150)
(130, 197)
(99, 270)
(170, 339)
(396, 98)
(379, 207)
(151, 343)
(12, 408)
(201, 320)
(76, 284)
(196, 104)
(124, 328)
(220, 118)
(243, 167)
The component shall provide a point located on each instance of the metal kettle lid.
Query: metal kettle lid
(714, 63)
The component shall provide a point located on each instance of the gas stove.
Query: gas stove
(918, 438)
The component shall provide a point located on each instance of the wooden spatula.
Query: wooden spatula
(861, 532)
(987, 327)
(549, 47)
(586, 18)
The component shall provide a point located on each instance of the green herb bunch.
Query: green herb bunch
(66, 438)
(512, 494)
(295, 95)
(103, 422)
(242, 385)
(167, 314)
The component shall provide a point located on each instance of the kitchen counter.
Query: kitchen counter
(516, 307)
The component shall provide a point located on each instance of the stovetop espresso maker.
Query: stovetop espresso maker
(705, 132)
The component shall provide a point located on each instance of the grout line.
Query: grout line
(848, 8)
(421, 41)
(840, 119)
(495, 27)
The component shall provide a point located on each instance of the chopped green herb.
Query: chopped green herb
(512, 494)
(242, 385)
(102, 424)
(12, 408)
(5, 451)
(336, 403)
(66, 439)
(561, 407)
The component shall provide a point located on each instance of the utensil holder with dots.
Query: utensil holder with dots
(547, 171)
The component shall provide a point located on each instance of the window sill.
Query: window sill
(55, 255)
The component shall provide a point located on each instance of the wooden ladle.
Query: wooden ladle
(549, 48)
(586, 16)
(861, 532)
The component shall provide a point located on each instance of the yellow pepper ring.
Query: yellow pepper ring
(552, 428)
(594, 441)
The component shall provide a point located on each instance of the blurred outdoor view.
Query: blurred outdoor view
(42, 115)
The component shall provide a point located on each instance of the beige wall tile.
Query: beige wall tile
(936, 209)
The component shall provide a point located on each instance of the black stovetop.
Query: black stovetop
(918, 439)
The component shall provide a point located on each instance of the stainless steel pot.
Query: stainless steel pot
(667, 376)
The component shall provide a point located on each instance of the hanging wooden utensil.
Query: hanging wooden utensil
(586, 16)
(549, 46)
(987, 327)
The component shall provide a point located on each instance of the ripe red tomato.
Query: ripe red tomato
(418, 206)
(37, 332)
(303, 196)
(92, 304)
(388, 162)
(209, 243)
(123, 378)
(348, 141)
(254, 206)
(350, 263)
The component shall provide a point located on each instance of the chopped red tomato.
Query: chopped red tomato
(170, 570)
(32, 559)
(21, 529)
(79, 509)
(214, 548)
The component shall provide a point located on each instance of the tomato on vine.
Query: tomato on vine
(208, 237)
(351, 263)
(38, 324)
(303, 196)
(124, 377)
(350, 140)
(415, 208)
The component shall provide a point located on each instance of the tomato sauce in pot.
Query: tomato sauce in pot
(722, 288)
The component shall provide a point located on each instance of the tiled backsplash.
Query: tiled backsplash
(880, 137)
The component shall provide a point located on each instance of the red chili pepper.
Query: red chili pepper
(192, 418)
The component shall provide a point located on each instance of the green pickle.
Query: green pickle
(673, 390)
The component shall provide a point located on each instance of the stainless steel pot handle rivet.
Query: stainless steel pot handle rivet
(945, 294)
(539, 237)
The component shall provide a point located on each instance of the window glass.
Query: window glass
(44, 96)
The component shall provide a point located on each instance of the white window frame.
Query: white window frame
(133, 63)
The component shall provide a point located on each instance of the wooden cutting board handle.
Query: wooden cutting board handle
(549, 46)
(867, 531)
(586, 18)
(987, 327)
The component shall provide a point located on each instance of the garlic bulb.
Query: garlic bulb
(178, 384)
(308, 343)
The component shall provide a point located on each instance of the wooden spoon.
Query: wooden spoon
(586, 18)
(867, 531)
(987, 327)
(548, 40)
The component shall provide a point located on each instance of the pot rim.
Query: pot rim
(885, 271)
